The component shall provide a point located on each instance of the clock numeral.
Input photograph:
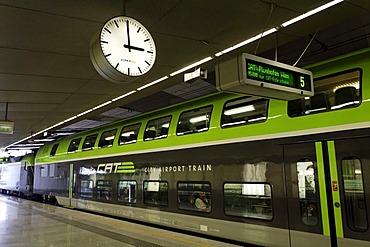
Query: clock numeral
(106, 29)
(149, 52)
(146, 40)
(116, 66)
(128, 71)
(104, 42)
(138, 30)
(115, 22)
(147, 62)
(108, 55)
(140, 70)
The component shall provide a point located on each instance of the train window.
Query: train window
(194, 121)
(157, 128)
(73, 145)
(104, 190)
(86, 188)
(129, 134)
(156, 193)
(194, 196)
(250, 200)
(307, 192)
(44, 171)
(107, 138)
(354, 196)
(127, 191)
(89, 142)
(338, 91)
(245, 110)
(54, 149)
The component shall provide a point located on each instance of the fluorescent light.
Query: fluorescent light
(127, 134)
(285, 24)
(238, 110)
(152, 83)
(198, 119)
(312, 12)
(43, 140)
(101, 105)
(345, 104)
(21, 148)
(29, 145)
(245, 42)
(256, 119)
(83, 113)
(64, 133)
(109, 138)
(353, 84)
(234, 123)
(314, 110)
(124, 95)
(69, 119)
(204, 60)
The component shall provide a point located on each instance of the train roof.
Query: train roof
(277, 124)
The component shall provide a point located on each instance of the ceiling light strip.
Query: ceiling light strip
(24, 139)
(152, 83)
(124, 95)
(204, 60)
(245, 42)
(85, 112)
(311, 12)
(285, 24)
(100, 106)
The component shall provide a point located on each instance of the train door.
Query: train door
(350, 177)
(307, 215)
(327, 184)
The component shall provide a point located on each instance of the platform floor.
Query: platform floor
(25, 223)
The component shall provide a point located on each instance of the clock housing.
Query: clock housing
(122, 50)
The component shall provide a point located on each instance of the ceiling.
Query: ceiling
(46, 75)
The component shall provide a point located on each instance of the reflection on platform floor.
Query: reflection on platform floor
(25, 223)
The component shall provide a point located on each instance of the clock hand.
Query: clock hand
(133, 47)
(128, 37)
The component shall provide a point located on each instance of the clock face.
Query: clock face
(128, 46)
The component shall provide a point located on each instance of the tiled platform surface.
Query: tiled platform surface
(25, 223)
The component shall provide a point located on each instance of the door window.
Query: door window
(354, 196)
(307, 192)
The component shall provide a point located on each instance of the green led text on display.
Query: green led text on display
(271, 74)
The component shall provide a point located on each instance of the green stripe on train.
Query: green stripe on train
(322, 187)
(335, 191)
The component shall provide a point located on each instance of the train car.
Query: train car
(254, 170)
(16, 176)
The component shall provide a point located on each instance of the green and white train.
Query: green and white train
(274, 173)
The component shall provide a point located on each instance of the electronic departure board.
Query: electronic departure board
(263, 77)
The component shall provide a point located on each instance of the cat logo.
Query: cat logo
(117, 167)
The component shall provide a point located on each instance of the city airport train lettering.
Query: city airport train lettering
(129, 167)
(182, 168)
